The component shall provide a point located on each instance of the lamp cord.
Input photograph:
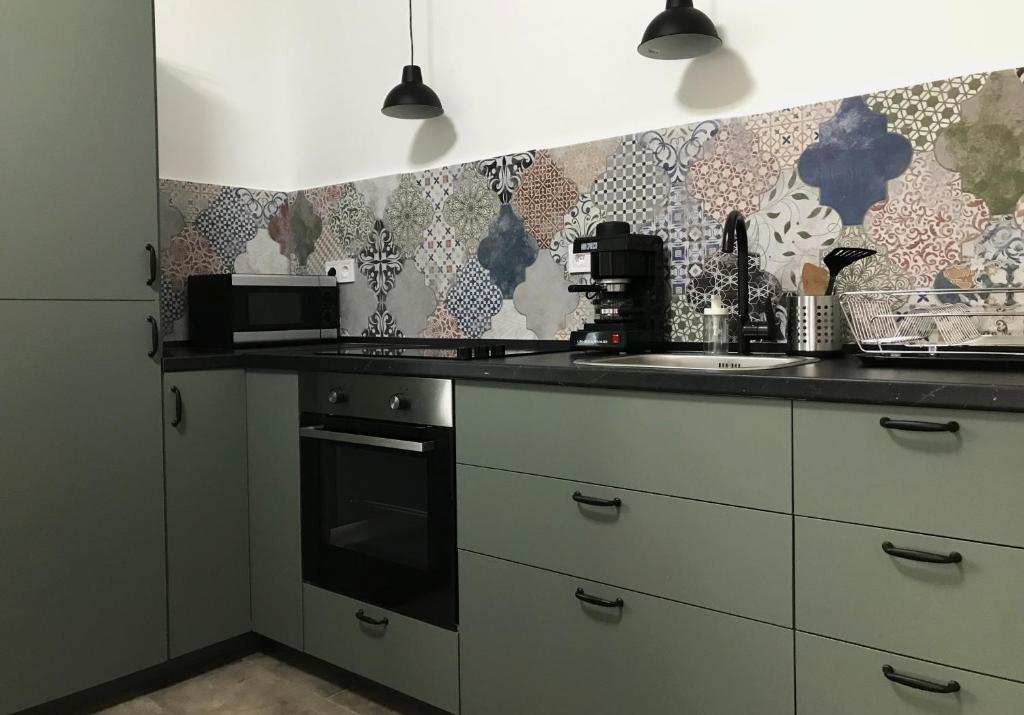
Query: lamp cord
(412, 47)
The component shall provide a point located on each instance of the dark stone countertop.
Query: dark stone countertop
(842, 379)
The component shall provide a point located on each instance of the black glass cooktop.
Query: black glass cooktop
(455, 351)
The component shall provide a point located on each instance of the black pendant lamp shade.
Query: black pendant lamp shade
(411, 99)
(679, 33)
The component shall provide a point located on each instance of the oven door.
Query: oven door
(273, 308)
(378, 515)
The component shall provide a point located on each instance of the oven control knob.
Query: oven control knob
(398, 402)
(336, 396)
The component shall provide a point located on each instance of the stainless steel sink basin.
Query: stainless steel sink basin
(696, 361)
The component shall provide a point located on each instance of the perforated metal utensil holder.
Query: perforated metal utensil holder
(815, 326)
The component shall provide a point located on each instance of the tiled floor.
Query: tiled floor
(263, 685)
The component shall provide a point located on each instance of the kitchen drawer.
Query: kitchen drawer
(722, 557)
(965, 484)
(733, 451)
(407, 655)
(528, 645)
(969, 615)
(834, 678)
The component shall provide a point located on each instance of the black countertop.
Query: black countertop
(842, 379)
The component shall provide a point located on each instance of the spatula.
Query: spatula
(841, 257)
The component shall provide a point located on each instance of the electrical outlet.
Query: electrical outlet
(579, 263)
(344, 270)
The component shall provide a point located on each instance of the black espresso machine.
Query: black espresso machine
(629, 290)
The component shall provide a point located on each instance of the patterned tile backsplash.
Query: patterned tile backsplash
(930, 176)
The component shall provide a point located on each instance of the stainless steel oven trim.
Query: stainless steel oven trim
(250, 279)
(365, 440)
(268, 336)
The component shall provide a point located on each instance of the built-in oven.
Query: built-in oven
(378, 492)
(226, 310)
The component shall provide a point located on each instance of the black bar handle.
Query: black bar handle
(154, 336)
(594, 501)
(928, 557)
(152, 264)
(919, 683)
(178, 407)
(920, 426)
(586, 288)
(361, 615)
(595, 601)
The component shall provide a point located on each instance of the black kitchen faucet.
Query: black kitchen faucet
(734, 236)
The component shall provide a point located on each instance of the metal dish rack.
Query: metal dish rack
(973, 323)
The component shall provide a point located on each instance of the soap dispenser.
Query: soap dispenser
(716, 327)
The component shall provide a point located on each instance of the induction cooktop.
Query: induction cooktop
(452, 351)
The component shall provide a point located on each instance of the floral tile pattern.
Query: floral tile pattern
(930, 176)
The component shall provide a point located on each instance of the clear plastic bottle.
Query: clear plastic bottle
(716, 327)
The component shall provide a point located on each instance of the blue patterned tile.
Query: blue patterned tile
(474, 299)
(507, 251)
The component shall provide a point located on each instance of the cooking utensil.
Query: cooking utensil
(841, 257)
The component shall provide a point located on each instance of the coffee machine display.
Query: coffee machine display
(629, 290)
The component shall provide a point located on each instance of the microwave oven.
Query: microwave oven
(227, 310)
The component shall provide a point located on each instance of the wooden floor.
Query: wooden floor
(263, 685)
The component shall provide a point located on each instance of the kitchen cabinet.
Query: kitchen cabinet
(275, 532)
(207, 508)
(78, 160)
(81, 498)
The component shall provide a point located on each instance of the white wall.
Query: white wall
(519, 74)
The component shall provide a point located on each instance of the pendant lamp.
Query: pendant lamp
(679, 33)
(411, 99)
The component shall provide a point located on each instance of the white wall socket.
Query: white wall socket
(579, 263)
(344, 270)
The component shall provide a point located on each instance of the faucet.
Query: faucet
(734, 236)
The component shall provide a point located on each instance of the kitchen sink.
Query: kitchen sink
(696, 361)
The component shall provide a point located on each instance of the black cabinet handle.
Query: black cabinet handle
(594, 501)
(152, 264)
(595, 601)
(918, 683)
(953, 557)
(154, 335)
(361, 615)
(919, 426)
(177, 406)
(586, 288)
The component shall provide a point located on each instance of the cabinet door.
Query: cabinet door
(207, 508)
(272, 416)
(78, 166)
(83, 599)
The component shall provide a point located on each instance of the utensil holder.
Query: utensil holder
(814, 326)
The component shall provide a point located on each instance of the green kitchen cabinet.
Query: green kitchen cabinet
(272, 418)
(82, 563)
(207, 508)
(78, 159)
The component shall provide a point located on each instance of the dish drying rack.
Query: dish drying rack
(972, 323)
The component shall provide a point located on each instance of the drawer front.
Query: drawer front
(732, 451)
(963, 484)
(530, 646)
(722, 557)
(410, 656)
(968, 614)
(841, 679)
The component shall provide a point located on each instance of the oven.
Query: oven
(378, 492)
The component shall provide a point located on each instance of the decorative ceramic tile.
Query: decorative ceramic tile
(262, 255)
(689, 232)
(170, 219)
(583, 163)
(583, 314)
(786, 133)
(997, 256)
(734, 172)
(474, 299)
(926, 219)
(676, 148)
(504, 174)
(920, 112)
(543, 198)
(792, 228)
(188, 254)
(579, 222)
(633, 181)
(227, 224)
(439, 260)
(509, 324)
(544, 298)
(408, 215)
(507, 251)
(347, 222)
(380, 261)
(471, 209)
(877, 272)
(986, 144)
(410, 301)
(263, 204)
(377, 192)
(854, 159)
(358, 302)
(721, 276)
(686, 323)
(382, 324)
(442, 324)
(189, 197)
(173, 304)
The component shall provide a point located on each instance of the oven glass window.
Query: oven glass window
(274, 308)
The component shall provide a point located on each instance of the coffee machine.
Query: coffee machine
(629, 291)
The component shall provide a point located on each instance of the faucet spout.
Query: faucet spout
(734, 237)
